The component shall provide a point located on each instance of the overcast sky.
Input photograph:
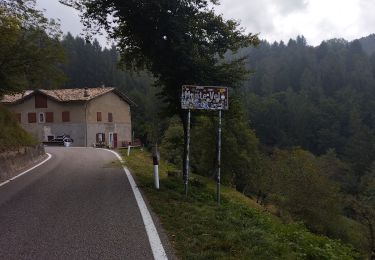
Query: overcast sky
(274, 20)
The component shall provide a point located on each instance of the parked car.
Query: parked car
(63, 136)
(55, 142)
(68, 142)
(60, 141)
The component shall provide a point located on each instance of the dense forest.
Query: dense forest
(317, 103)
(299, 136)
(320, 99)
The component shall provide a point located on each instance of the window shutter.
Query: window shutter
(103, 136)
(40, 101)
(31, 117)
(110, 117)
(49, 117)
(66, 116)
(99, 116)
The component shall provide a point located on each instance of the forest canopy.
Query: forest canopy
(29, 47)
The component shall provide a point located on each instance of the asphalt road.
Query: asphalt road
(75, 206)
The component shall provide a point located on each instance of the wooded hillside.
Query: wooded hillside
(300, 131)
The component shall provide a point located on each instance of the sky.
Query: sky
(274, 20)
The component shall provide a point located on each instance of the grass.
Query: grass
(12, 135)
(238, 229)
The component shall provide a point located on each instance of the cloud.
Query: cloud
(69, 19)
(68, 16)
(260, 16)
(289, 6)
(367, 22)
(317, 20)
(275, 20)
(252, 14)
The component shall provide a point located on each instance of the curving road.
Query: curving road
(74, 206)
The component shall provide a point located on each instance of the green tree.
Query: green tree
(172, 143)
(364, 207)
(29, 47)
(337, 171)
(203, 145)
(360, 150)
(180, 42)
(240, 153)
(303, 191)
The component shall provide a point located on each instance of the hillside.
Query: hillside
(12, 135)
(237, 229)
(304, 111)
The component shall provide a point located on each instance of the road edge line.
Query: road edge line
(152, 233)
(49, 156)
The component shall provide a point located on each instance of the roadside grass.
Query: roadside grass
(237, 229)
(12, 135)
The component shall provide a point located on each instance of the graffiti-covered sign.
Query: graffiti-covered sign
(204, 97)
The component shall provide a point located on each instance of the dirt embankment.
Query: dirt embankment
(14, 161)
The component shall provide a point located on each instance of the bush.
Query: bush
(12, 135)
(172, 145)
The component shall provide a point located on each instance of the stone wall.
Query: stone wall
(13, 162)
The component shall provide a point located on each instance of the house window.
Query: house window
(40, 101)
(110, 117)
(100, 137)
(18, 117)
(99, 116)
(49, 117)
(65, 116)
(41, 117)
(31, 117)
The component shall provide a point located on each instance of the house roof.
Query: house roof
(66, 95)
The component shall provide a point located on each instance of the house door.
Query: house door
(114, 140)
(110, 139)
(100, 138)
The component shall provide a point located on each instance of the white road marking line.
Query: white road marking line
(5, 182)
(32, 168)
(153, 236)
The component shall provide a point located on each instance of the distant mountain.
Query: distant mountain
(368, 43)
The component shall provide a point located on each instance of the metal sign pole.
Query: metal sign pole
(186, 176)
(218, 159)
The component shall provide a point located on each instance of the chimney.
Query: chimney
(86, 93)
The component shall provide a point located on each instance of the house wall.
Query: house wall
(75, 127)
(109, 103)
(80, 113)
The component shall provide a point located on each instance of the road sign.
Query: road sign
(204, 97)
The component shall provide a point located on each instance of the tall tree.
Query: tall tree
(364, 207)
(180, 42)
(29, 47)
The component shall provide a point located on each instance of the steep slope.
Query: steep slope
(237, 229)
